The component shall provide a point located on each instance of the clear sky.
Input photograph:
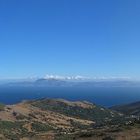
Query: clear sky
(70, 37)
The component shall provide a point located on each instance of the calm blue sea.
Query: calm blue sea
(102, 96)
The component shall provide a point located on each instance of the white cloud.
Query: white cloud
(78, 77)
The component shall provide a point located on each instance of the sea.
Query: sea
(105, 96)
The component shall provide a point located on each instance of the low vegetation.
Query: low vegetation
(50, 119)
(2, 107)
(94, 113)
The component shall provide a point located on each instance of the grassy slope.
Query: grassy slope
(39, 120)
(94, 113)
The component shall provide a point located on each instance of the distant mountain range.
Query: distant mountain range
(56, 82)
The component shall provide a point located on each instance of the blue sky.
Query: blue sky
(70, 37)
